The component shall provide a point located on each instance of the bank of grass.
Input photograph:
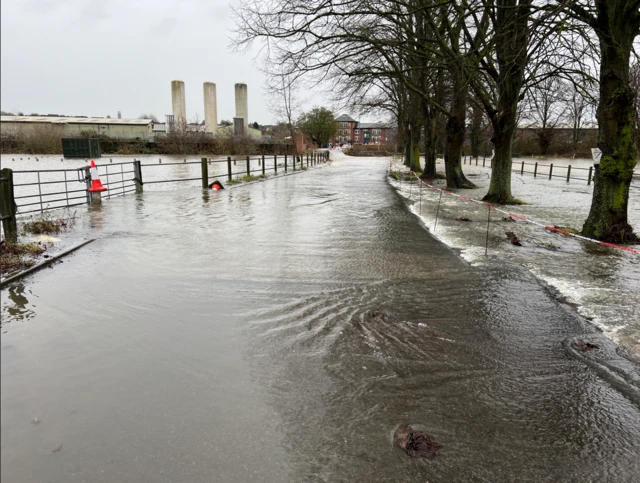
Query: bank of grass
(18, 256)
(21, 255)
(47, 224)
(246, 179)
(407, 176)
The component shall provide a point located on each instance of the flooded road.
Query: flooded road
(282, 331)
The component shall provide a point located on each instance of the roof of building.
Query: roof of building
(76, 120)
(345, 118)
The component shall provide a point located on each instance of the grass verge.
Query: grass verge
(18, 256)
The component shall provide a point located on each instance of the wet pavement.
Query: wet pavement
(284, 331)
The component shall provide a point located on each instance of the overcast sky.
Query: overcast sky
(95, 57)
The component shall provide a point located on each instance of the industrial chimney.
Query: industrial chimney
(210, 107)
(178, 103)
(242, 104)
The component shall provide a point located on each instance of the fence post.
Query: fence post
(522, 169)
(535, 169)
(87, 181)
(550, 170)
(285, 163)
(229, 167)
(263, 168)
(248, 168)
(8, 206)
(137, 175)
(307, 160)
(205, 173)
(568, 173)
(275, 164)
(476, 160)
(590, 173)
(484, 160)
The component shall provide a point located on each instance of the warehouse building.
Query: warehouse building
(75, 126)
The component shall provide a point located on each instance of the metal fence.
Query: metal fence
(29, 191)
(548, 171)
(40, 190)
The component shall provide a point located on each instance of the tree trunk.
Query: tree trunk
(429, 146)
(512, 40)
(475, 144)
(407, 145)
(500, 185)
(414, 160)
(607, 218)
(455, 130)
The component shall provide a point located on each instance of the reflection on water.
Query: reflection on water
(280, 332)
(16, 305)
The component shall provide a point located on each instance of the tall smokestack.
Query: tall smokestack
(210, 107)
(178, 103)
(242, 104)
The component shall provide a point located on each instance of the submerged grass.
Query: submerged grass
(46, 224)
(246, 179)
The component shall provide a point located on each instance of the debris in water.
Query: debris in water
(417, 444)
(513, 238)
(583, 345)
(35, 421)
(58, 449)
(375, 314)
(508, 218)
(463, 219)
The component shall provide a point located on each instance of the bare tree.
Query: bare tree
(634, 82)
(616, 23)
(284, 101)
(544, 110)
(578, 111)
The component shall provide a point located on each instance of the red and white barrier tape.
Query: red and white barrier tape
(526, 220)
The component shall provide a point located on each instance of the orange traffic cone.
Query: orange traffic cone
(96, 184)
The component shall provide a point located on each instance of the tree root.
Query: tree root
(502, 200)
(620, 234)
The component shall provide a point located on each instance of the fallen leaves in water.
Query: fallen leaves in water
(583, 345)
(513, 238)
(463, 219)
(415, 443)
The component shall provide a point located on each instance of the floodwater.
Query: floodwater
(231, 336)
(59, 175)
(603, 284)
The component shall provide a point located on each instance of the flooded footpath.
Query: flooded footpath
(283, 331)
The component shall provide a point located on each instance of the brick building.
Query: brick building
(350, 131)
